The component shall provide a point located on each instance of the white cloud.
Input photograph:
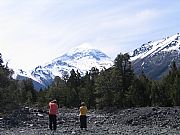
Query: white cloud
(35, 31)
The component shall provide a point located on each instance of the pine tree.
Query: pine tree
(155, 94)
(7, 88)
(124, 75)
(73, 83)
(117, 88)
(87, 92)
(94, 72)
(177, 89)
(140, 91)
(104, 93)
(169, 86)
(58, 90)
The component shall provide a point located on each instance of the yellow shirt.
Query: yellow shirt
(83, 110)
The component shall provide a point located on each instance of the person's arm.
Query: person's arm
(57, 109)
(80, 110)
(86, 110)
(49, 107)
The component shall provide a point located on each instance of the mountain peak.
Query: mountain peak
(81, 58)
(84, 47)
(167, 44)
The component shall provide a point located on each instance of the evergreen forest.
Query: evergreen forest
(116, 87)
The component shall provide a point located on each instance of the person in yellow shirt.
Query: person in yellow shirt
(83, 118)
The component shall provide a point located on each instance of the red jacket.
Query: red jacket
(53, 108)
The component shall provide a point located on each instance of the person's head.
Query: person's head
(82, 103)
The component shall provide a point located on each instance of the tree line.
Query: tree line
(116, 86)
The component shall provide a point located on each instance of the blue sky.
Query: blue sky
(33, 32)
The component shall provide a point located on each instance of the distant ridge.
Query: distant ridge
(155, 57)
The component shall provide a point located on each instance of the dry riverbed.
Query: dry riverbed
(133, 121)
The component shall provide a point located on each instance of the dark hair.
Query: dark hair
(54, 101)
(83, 103)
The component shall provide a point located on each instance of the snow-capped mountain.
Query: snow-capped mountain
(155, 57)
(81, 58)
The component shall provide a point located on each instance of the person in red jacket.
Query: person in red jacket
(53, 110)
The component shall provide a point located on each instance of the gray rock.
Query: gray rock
(136, 121)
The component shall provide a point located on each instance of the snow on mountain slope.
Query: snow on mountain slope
(152, 47)
(155, 57)
(81, 58)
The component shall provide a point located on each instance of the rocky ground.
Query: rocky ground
(134, 121)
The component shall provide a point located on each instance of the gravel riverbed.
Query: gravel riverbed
(133, 121)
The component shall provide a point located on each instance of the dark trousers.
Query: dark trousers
(83, 121)
(52, 122)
